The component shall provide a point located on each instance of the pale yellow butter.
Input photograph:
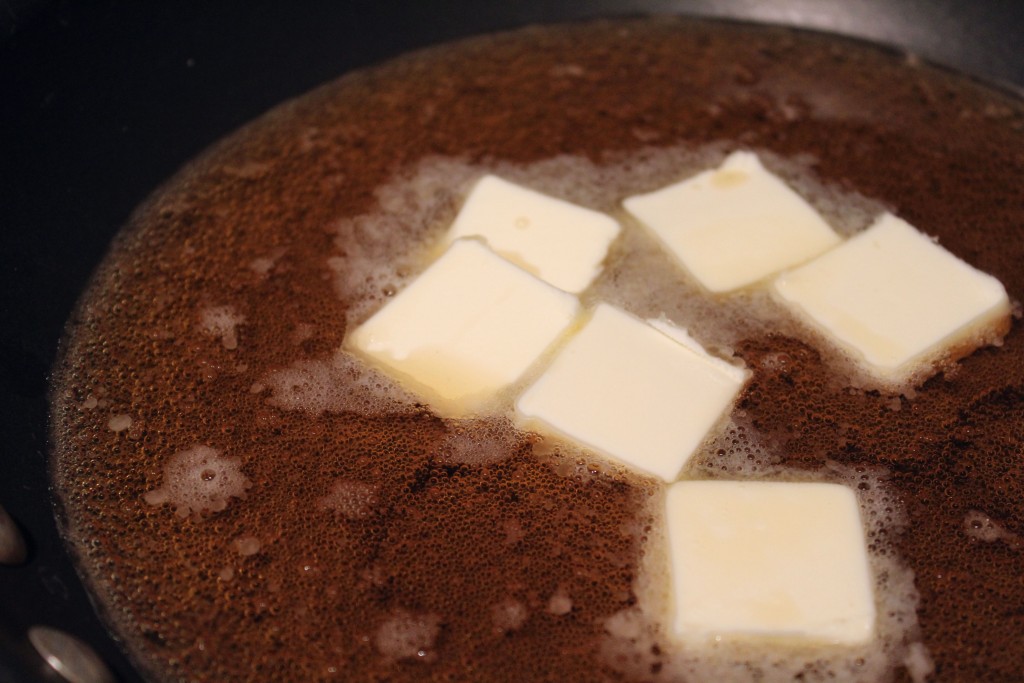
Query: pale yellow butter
(631, 392)
(465, 329)
(766, 560)
(735, 225)
(894, 298)
(559, 242)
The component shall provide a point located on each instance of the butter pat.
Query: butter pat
(680, 335)
(465, 329)
(559, 242)
(733, 226)
(896, 300)
(766, 560)
(632, 393)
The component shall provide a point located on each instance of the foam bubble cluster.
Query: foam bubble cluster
(353, 499)
(199, 480)
(247, 545)
(222, 322)
(263, 265)
(119, 423)
(337, 384)
(560, 603)
(374, 259)
(481, 441)
(982, 527)
(509, 615)
(407, 635)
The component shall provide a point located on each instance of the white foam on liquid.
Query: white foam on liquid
(352, 499)
(509, 615)
(199, 480)
(560, 603)
(222, 322)
(337, 384)
(980, 526)
(408, 635)
(247, 545)
(480, 441)
(263, 265)
(120, 422)
(918, 662)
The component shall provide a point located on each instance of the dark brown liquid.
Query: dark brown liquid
(472, 562)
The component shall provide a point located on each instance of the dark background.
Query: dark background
(101, 101)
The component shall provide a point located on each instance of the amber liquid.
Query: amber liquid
(509, 566)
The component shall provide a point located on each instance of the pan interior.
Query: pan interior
(360, 537)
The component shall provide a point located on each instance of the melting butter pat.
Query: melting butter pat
(733, 226)
(559, 242)
(768, 560)
(465, 329)
(896, 300)
(631, 392)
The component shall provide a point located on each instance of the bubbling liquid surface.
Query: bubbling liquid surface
(329, 528)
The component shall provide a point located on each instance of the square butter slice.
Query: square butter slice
(559, 242)
(631, 392)
(465, 329)
(768, 560)
(895, 299)
(735, 225)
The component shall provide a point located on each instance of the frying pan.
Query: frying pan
(101, 101)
